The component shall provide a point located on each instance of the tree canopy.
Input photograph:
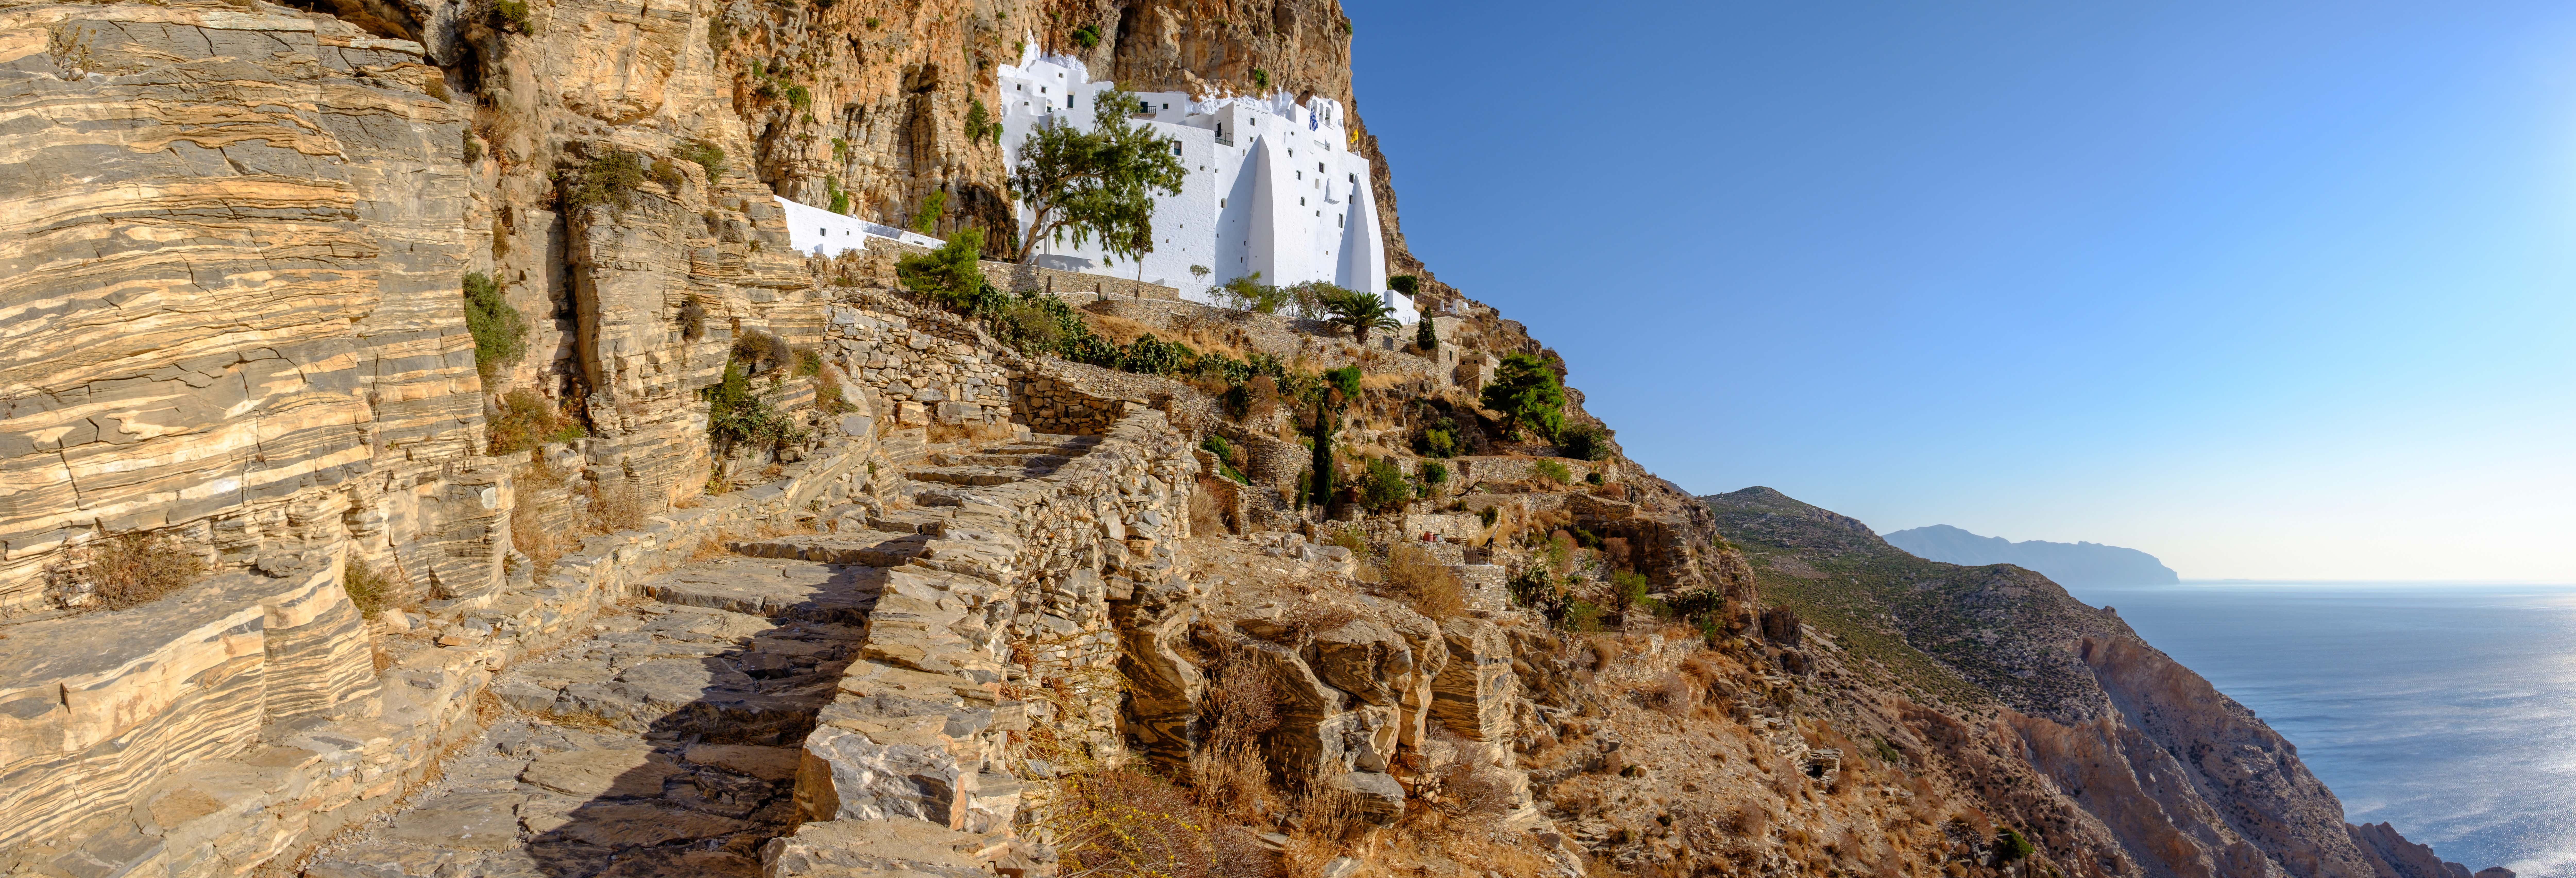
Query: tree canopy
(1527, 394)
(1099, 184)
(1361, 312)
(949, 273)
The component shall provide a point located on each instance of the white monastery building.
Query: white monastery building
(1273, 186)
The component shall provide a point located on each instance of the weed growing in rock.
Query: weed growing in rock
(368, 590)
(127, 570)
(736, 417)
(510, 16)
(1552, 471)
(525, 420)
(610, 179)
(500, 334)
(933, 206)
(615, 504)
(706, 155)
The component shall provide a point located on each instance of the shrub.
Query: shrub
(1534, 587)
(737, 417)
(1580, 616)
(500, 334)
(133, 569)
(933, 206)
(808, 363)
(510, 16)
(840, 198)
(1384, 488)
(609, 179)
(473, 146)
(1260, 78)
(1440, 439)
(707, 155)
(1128, 823)
(1404, 283)
(948, 274)
(978, 120)
(1592, 478)
(1345, 379)
(1224, 452)
(2010, 846)
(800, 97)
(1489, 515)
(1248, 293)
(1628, 588)
(693, 319)
(367, 589)
(1432, 472)
(1552, 471)
(1425, 338)
(525, 420)
(1583, 441)
(1086, 36)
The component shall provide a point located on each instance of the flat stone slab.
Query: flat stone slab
(636, 824)
(595, 774)
(773, 589)
(765, 763)
(476, 821)
(869, 548)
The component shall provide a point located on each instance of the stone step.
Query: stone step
(870, 547)
(774, 588)
(975, 476)
(1031, 459)
(710, 675)
(920, 521)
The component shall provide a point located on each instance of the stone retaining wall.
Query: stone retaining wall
(919, 371)
(1014, 589)
(1013, 277)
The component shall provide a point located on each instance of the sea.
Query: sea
(2447, 709)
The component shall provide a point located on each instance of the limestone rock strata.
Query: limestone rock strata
(228, 284)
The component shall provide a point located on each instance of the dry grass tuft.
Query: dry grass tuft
(127, 570)
(1414, 576)
(615, 505)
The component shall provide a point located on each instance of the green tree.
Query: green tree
(1361, 312)
(1340, 387)
(1404, 283)
(1425, 338)
(1527, 394)
(1096, 184)
(949, 273)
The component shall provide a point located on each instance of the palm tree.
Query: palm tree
(1361, 312)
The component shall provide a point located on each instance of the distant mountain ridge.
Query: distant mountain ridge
(2077, 564)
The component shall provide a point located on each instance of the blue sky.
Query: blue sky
(2267, 289)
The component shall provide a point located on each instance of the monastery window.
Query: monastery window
(1301, 202)
(1176, 148)
(1319, 167)
(1355, 178)
(1337, 221)
(1301, 175)
(1220, 204)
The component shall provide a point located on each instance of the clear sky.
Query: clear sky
(2270, 290)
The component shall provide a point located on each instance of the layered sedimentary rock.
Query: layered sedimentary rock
(231, 267)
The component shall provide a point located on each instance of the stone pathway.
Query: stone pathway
(667, 741)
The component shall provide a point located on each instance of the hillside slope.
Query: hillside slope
(2191, 781)
(2079, 564)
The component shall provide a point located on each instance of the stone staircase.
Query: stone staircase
(678, 735)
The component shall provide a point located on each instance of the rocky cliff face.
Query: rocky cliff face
(923, 622)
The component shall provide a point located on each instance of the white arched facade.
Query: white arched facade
(1273, 185)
